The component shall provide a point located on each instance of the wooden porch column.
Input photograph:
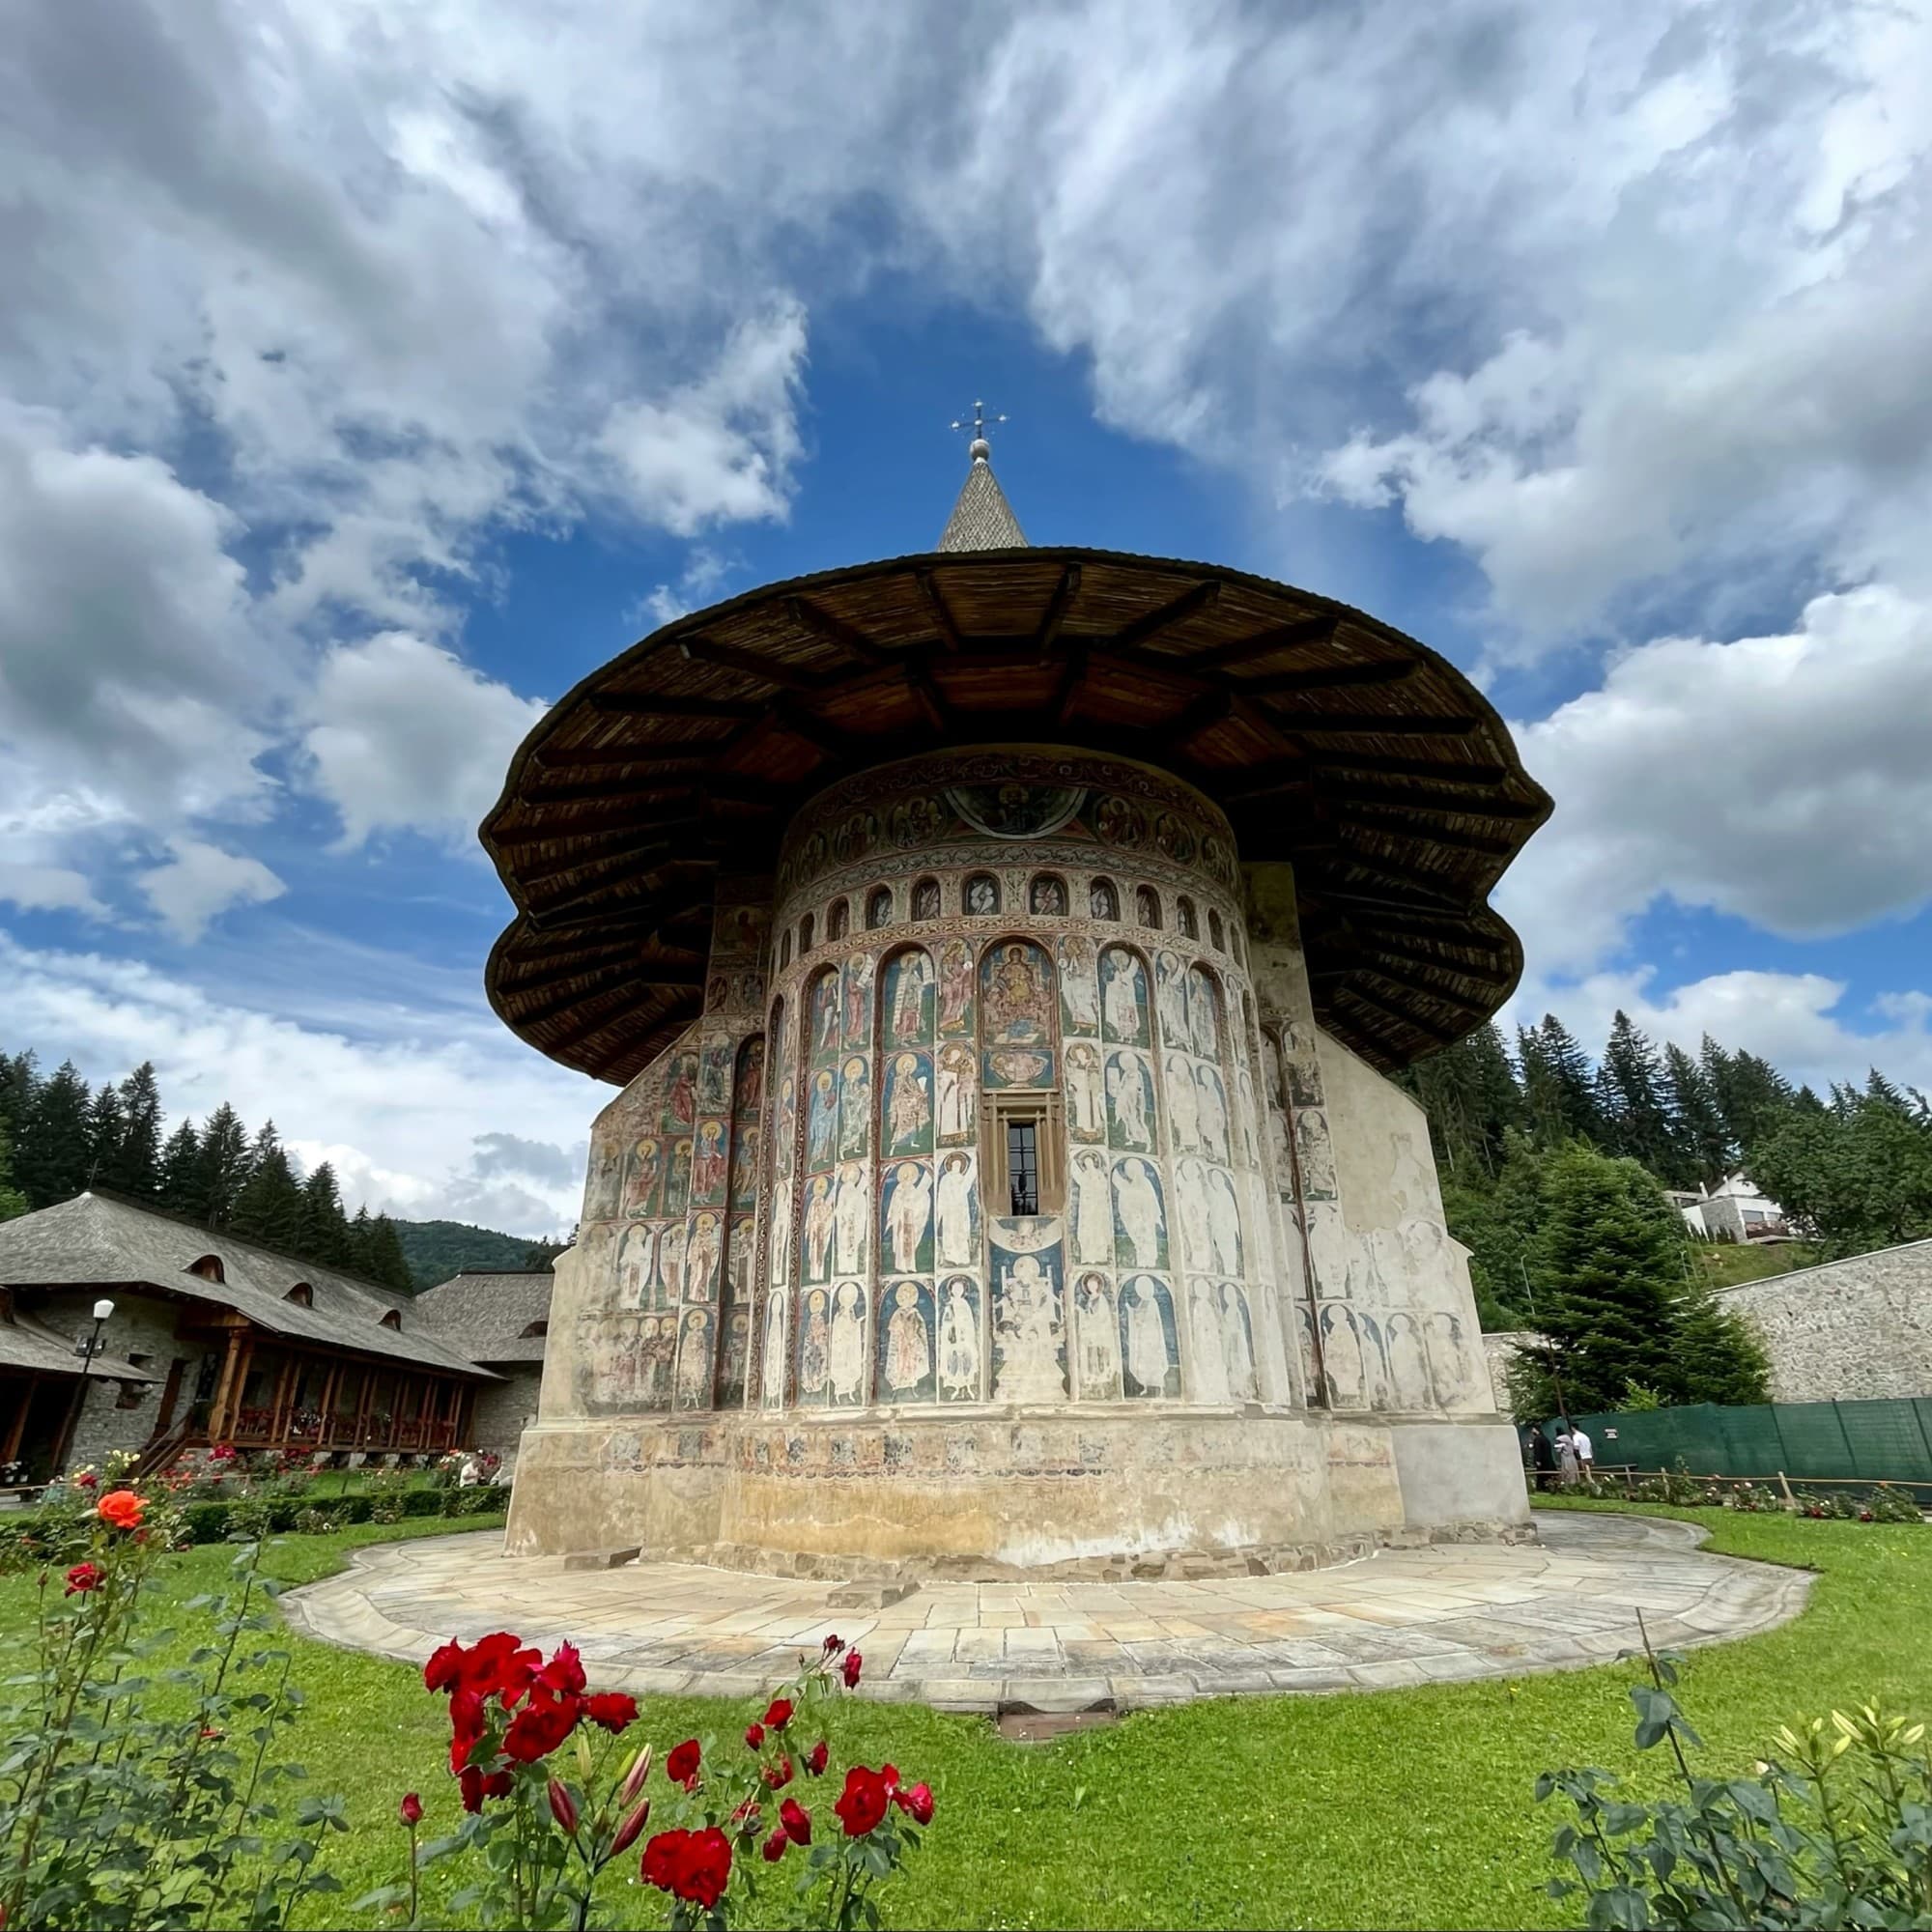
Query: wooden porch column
(278, 1427)
(224, 1389)
(11, 1447)
(326, 1433)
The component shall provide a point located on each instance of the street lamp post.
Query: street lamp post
(86, 1348)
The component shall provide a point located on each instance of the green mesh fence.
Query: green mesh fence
(1853, 1441)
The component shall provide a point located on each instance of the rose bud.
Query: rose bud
(795, 1820)
(815, 1759)
(775, 1847)
(634, 1778)
(627, 1832)
(754, 1735)
(411, 1810)
(779, 1715)
(850, 1668)
(916, 1803)
(562, 1806)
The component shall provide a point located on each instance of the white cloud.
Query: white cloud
(198, 882)
(406, 735)
(391, 1081)
(48, 888)
(1784, 779)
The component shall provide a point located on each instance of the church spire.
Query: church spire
(982, 519)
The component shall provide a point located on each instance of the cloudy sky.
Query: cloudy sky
(369, 372)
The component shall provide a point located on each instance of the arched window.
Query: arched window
(1190, 926)
(805, 935)
(983, 894)
(392, 1317)
(301, 1295)
(208, 1268)
(785, 948)
(926, 899)
(1102, 900)
(879, 908)
(1046, 897)
(837, 919)
(1216, 937)
(1147, 907)
(535, 1331)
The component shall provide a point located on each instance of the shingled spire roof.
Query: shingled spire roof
(982, 518)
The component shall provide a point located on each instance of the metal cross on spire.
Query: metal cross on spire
(978, 447)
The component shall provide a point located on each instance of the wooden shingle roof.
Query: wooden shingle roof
(1329, 739)
(487, 1314)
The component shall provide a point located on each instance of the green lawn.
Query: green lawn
(1404, 1807)
(1727, 1264)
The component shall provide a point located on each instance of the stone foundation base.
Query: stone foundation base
(997, 1494)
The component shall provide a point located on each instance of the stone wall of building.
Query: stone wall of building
(1848, 1330)
(505, 1409)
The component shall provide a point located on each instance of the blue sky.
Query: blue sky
(369, 378)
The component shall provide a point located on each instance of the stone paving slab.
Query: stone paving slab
(1398, 1617)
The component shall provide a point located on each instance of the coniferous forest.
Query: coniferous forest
(58, 1138)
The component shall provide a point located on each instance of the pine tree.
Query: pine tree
(1567, 1107)
(387, 1263)
(1607, 1273)
(1719, 1359)
(11, 1200)
(141, 1148)
(360, 1227)
(1752, 1097)
(325, 1227)
(1704, 1148)
(269, 1206)
(181, 1168)
(19, 1081)
(1635, 1106)
(221, 1167)
(107, 1137)
(1470, 1095)
(51, 1154)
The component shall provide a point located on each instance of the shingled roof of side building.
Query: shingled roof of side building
(492, 1315)
(99, 1239)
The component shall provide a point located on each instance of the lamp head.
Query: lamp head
(103, 1309)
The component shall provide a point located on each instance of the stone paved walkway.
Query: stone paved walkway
(1397, 1617)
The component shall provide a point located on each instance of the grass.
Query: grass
(1727, 1264)
(1404, 1807)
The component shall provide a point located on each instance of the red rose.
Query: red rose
(746, 1813)
(411, 1810)
(850, 1670)
(862, 1802)
(122, 1508)
(754, 1735)
(83, 1578)
(86, 1480)
(816, 1758)
(681, 1766)
(778, 1775)
(890, 1773)
(833, 1645)
(465, 1726)
(444, 1666)
(692, 1865)
(564, 1673)
(779, 1714)
(775, 1846)
(540, 1726)
(614, 1709)
(916, 1803)
(475, 1786)
(796, 1821)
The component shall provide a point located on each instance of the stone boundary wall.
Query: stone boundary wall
(1848, 1330)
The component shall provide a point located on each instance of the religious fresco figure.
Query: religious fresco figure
(1015, 994)
(1315, 1156)
(1086, 1110)
(708, 1162)
(909, 1104)
(1210, 1368)
(740, 1253)
(906, 1216)
(959, 1341)
(781, 1248)
(604, 1184)
(704, 1246)
(814, 1348)
(693, 1361)
(677, 1179)
(681, 1100)
(733, 1359)
(784, 1119)
(1150, 1353)
(908, 999)
(855, 1108)
(1171, 998)
(845, 1359)
(1375, 1382)
(670, 1263)
(1096, 1327)
(1237, 1343)
(1341, 1355)
(748, 1093)
(1118, 822)
(825, 1014)
(858, 983)
(636, 1255)
(1046, 897)
(1210, 1112)
(1409, 1363)
(821, 1122)
(852, 1218)
(1079, 984)
(956, 1212)
(1029, 1339)
(1129, 1101)
(1451, 1365)
(1301, 1065)
(905, 1344)
(955, 988)
(1224, 1222)
(1191, 1211)
(1182, 1102)
(1204, 1011)
(642, 1174)
(745, 1145)
(820, 1222)
(714, 1077)
(1092, 1220)
(658, 1346)
(774, 1372)
(1123, 998)
(958, 1094)
(1140, 1221)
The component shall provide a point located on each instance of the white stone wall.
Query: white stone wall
(505, 1409)
(1849, 1330)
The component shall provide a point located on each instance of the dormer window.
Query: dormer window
(535, 1332)
(208, 1268)
(301, 1295)
(393, 1319)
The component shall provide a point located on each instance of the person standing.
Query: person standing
(1566, 1459)
(1586, 1455)
(1541, 1457)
